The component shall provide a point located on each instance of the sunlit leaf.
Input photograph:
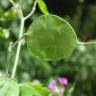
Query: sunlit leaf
(8, 87)
(26, 89)
(42, 90)
(51, 38)
(43, 7)
(8, 15)
(4, 33)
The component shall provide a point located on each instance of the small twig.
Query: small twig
(22, 19)
(8, 57)
(18, 48)
(17, 8)
(84, 43)
(12, 2)
(10, 47)
(33, 10)
(14, 44)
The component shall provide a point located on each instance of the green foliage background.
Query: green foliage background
(81, 66)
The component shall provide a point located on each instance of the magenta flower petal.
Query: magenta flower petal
(52, 85)
(63, 81)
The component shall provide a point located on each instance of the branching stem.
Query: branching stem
(18, 49)
(33, 10)
(19, 41)
(14, 44)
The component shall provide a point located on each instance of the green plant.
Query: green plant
(9, 86)
(49, 37)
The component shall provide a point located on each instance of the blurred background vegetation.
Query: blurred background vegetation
(81, 66)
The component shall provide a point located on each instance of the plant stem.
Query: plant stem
(85, 43)
(32, 11)
(14, 44)
(18, 48)
(22, 19)
(12, 2)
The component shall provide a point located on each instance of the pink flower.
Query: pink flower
(62, 90)
(63, 80)
(52, 85)
(58, 88)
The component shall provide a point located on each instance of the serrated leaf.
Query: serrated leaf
(42, 90)
(8, 87)
(26, 89)
(51, 38)
(43, 7)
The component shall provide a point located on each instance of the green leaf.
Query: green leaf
(26, 89)
(42, 90)
(8, 15)
(51, 38)
(43, 7)
(69, 90)
(1, 11)
(4, 33)
(8, 87)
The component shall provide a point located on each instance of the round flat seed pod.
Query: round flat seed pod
(51, 38)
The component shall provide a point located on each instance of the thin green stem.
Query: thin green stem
(85, 43)
(22, 19)
(14, 44)
(8, 57)
(18, 49)
(32, 11)
(12, 2)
